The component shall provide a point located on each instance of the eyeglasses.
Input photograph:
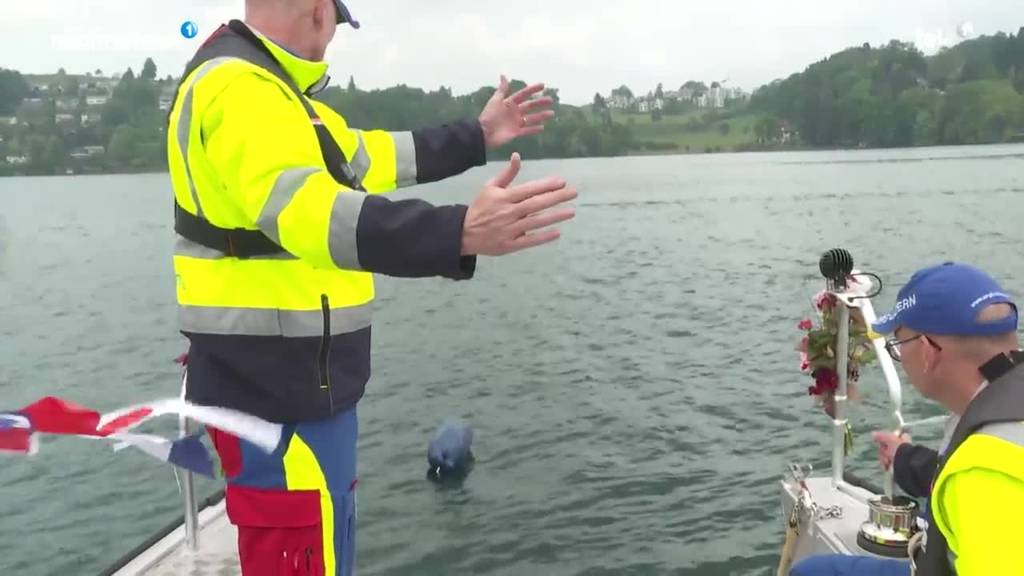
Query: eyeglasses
(893, 346)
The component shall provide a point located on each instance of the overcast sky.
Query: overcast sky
(577, 46)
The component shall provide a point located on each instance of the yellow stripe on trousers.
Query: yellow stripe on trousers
(302, 472)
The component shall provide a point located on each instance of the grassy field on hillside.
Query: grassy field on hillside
(696, 131)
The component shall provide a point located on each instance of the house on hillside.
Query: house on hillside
(736, 94)
(787, 132)
(649, 104)
(65, 104)
(91, 118)
(716, 98)
(101, 81)
(86, 152)
(65, 118)
(619, 102)
(37, 84)
(99, 85)
(167, 97)
(35, 111)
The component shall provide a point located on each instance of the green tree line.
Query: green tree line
(886, 96)
(893, 95)
(571, 134)
(132, 127)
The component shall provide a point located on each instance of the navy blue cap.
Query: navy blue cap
(946, 300)
(344, 15)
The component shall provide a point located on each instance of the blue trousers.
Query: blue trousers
(294, 508)
(839, 565)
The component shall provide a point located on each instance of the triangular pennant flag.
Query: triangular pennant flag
(191, 454)
(16, 440)
(10, 420)
(156, 446)
(124, 421)
(16, 434)
(55, 416)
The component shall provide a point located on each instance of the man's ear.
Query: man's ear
(320, 12)
(930, 350)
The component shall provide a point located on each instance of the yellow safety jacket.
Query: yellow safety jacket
(975, 531)
(280, 226)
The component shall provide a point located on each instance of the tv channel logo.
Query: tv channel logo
(189, 29)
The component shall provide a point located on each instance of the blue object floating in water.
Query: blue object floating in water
(449, 454)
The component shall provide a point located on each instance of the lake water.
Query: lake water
(634, 388)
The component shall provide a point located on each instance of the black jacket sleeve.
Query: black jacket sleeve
(448, 150)
(914, 469)
(412, 239)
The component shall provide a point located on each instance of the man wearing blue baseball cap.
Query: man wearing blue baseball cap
(282, 221)
(954, 329)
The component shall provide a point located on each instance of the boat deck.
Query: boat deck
(831, 535)
(169, 556)
(167, 553)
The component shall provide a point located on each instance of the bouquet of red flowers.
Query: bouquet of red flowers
(818, 350)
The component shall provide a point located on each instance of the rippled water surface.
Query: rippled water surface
(633, 388)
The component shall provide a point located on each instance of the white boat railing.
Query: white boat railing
(842, 397)
(856, 293)
(188, 490)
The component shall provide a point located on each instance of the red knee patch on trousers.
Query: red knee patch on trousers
(279, 532)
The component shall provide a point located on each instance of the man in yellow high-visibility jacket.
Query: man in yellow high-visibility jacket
(280, 227)
(955, 331)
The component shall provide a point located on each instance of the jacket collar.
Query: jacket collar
(309, 76)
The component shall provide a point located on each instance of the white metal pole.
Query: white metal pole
(892, 379)
(842, 368)
(188, 486)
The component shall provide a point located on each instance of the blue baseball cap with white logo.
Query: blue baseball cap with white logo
(344, 15)
(946, 300)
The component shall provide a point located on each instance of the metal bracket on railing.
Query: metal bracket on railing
(804, 502)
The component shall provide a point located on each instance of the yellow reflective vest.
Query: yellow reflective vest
(979, 500)
(978, 495)
(284, 333)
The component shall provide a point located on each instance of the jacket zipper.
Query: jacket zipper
(325, 349)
